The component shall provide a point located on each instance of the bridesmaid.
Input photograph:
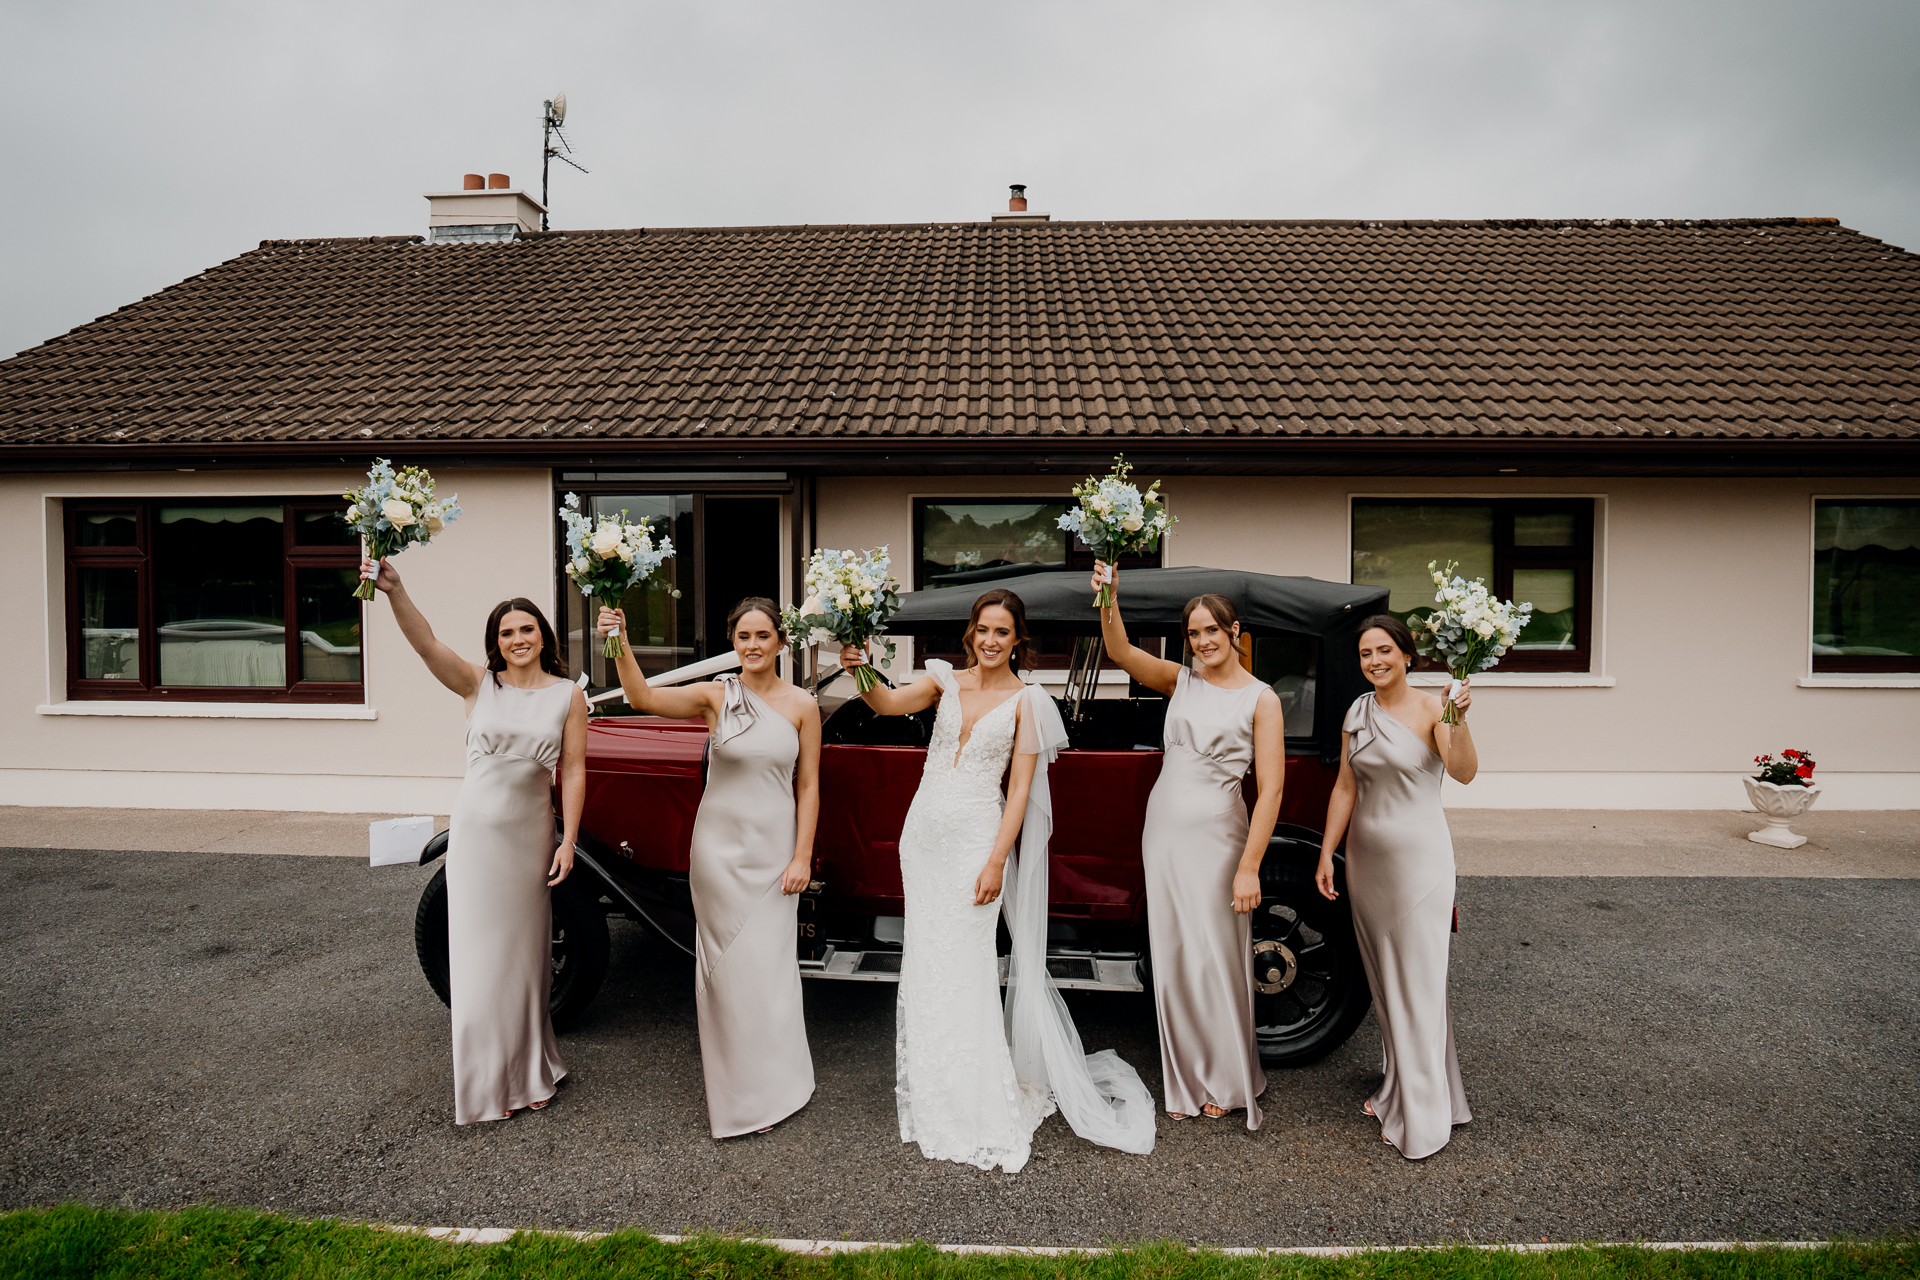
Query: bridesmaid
(523, 717)
(1400, 873)
(1202, 854)
(752, 855)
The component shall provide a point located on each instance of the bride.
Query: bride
(974, 1081)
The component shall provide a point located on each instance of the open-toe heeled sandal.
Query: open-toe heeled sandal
(1213, 1112)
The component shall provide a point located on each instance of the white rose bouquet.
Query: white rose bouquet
(608, 557)
(1116, 519)
(1470, 631)
(850, 596)
(393, 511)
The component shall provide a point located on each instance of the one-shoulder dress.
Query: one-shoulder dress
(499, 917)
(1195, 832)
(753, 1028)
(1400, 880)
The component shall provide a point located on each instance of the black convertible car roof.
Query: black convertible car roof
(1060, 602)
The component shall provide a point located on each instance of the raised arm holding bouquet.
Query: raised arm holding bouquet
(394, 510)
(850, 597)
(608, 557)
(1470, 631)
(1115, 519)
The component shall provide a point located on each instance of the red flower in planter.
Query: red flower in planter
(1791, 754)
(1804, 771)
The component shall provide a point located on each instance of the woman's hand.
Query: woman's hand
(611, 621)
(986, 890)
(1323, 876)
(1464, 698)
(562, 863)
(797, 876)
(381, 572)
(852, 656)
(1104, 576)
(1246, 892)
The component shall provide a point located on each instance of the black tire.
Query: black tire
(580, 944)
(1309, 987)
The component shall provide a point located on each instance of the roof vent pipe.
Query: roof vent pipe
(1018, 203)
(474, 182)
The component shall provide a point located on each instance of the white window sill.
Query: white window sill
(1519, 680)
(1863, 680)
(216, 710)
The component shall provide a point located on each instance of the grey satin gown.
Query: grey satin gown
(1195, 832)
(1400, 881)
(499, 918)
(753, 1029)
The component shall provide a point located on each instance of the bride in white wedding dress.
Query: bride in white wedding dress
(973, 1081)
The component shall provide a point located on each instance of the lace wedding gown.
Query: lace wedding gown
(959, 1092)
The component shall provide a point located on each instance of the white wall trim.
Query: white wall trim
(1597, 790)
(216, 710)
(1874, 680)
(139, 789)
(1517, 680)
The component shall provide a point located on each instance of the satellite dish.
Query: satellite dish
(559, 108)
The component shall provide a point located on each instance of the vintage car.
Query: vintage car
(645, 775)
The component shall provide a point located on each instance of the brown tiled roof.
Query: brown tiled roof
(1762, 329)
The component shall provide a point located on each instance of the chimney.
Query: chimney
(488, 208)
(1017, 207)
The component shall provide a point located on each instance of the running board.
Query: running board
(1071, 970)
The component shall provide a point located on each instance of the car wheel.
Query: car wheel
(1309, 988)
(580, 945)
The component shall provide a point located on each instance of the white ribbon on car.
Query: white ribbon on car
(1099, 1094)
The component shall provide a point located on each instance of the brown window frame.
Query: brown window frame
(139, 558)
(1079, 556)
(1854, 663)
(1507, 558)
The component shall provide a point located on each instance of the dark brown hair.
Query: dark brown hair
(551, 660)
(1396, 631)
(1022, 652)
(756, 604)
(1218, 605)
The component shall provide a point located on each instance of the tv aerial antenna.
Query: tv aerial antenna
(553, 116)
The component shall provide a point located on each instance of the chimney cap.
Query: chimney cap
(498, 182)
(474, 182)
(1017, 206)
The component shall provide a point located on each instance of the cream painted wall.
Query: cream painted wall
(1703, 600)
(408, 757)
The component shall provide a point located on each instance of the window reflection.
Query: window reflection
(1866, 585)
(109, 624)
(964, 542)
(219, 583)
(329, 625)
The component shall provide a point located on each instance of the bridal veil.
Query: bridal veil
(1102, 1098)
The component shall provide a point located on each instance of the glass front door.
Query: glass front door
(725, 547)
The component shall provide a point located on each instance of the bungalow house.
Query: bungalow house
(1692, 445)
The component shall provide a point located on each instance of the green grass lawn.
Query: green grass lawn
(75, 1240)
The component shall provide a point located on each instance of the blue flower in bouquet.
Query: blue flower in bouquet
(394, 510)
(1115, 519)
(610, 555)
(1469, 631)
(850, 597)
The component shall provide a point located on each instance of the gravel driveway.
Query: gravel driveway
(1669, 1059)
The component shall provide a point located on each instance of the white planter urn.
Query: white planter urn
(1779, 805)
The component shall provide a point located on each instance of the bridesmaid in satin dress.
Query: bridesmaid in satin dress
(1393, 754)
(752, 856)
(523, 717)
(1202, 854)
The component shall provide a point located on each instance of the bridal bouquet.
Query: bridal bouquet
(850, 596)
(608, 557)
(393, 511)
(1115, 519)
(1470, 631)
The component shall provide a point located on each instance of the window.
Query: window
(959, 542)
(1535, 550)
(1866, 584)
(205, 599)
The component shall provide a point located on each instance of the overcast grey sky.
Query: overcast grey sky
(146, 140)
